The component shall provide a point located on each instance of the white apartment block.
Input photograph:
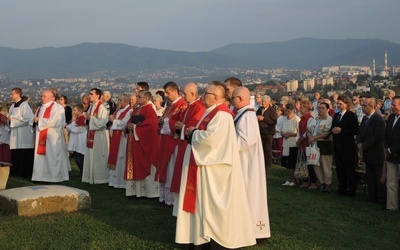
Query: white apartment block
(309, 84)
(292, 85)
(327, 80)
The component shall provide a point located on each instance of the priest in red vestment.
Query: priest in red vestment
(213, 207)
(142, 149)
(168, 142)
(188, 118)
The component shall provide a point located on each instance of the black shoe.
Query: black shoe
(323, 188)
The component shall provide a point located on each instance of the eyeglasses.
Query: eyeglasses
(208, 93)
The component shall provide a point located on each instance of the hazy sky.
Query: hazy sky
(192, 25)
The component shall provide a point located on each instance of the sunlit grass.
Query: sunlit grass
(300, 219)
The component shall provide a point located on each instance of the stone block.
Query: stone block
(4, 173)
(37, 200)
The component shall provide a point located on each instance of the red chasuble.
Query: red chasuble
(144, 152)
(92, 133)
(168, 142)
(189, 200)
(190, 117)
(41, 150)
(115, 141)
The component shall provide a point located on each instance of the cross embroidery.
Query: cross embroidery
(260, 225)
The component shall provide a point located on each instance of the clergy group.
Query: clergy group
(203, 155)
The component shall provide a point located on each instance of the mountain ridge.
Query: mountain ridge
(114, 59)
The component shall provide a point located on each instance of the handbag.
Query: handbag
(301, 170)
(312, 153)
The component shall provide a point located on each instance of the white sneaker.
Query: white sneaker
(292, 184)
(287, 183)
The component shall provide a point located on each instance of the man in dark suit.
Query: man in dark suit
(392, 150)
(266, 116)
(344, 128)
(370, 141)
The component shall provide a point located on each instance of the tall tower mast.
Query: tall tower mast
(386, 64)
(373, 67)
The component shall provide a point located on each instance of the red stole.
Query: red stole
(189, 200)
(91, 133)
(115, 140)
(168, 142)
(41, 150)
(128, 175)
(191, 117)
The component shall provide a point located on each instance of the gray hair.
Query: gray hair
(266, 97)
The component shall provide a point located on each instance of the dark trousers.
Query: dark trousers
(346, 173)
(376, 188)
(267, 148)
(79, 160)
(277, 145)
(5, 153)
(22, 162)
(312, 177)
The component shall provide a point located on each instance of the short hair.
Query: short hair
(289, 106)
(17, 91)
(234, 81)
(325, 104)
(54, 91)
(160, 93)
(97, 91)
(105, 92)
(85, 95)
(391, 91)
(79, 107)
(373, 102)
(280, 108)
(146, 93)
(307, 104)
(222, 86)
(158, 98)
(266, 97)
(24, 98)
(125, 97)
(172, 85)
(143, 85)
(65, 98)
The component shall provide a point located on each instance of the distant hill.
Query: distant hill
(313, 53)
(89, 58)
(116, 59)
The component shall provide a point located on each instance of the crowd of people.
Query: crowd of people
(207, 156)
(348, 132)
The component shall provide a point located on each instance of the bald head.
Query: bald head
(243, 92)
(240, 97)
(190, 92)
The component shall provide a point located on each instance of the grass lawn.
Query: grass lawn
(300, 219)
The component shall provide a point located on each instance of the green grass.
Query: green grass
(300, 219)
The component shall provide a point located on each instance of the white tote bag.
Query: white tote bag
(312, 153)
